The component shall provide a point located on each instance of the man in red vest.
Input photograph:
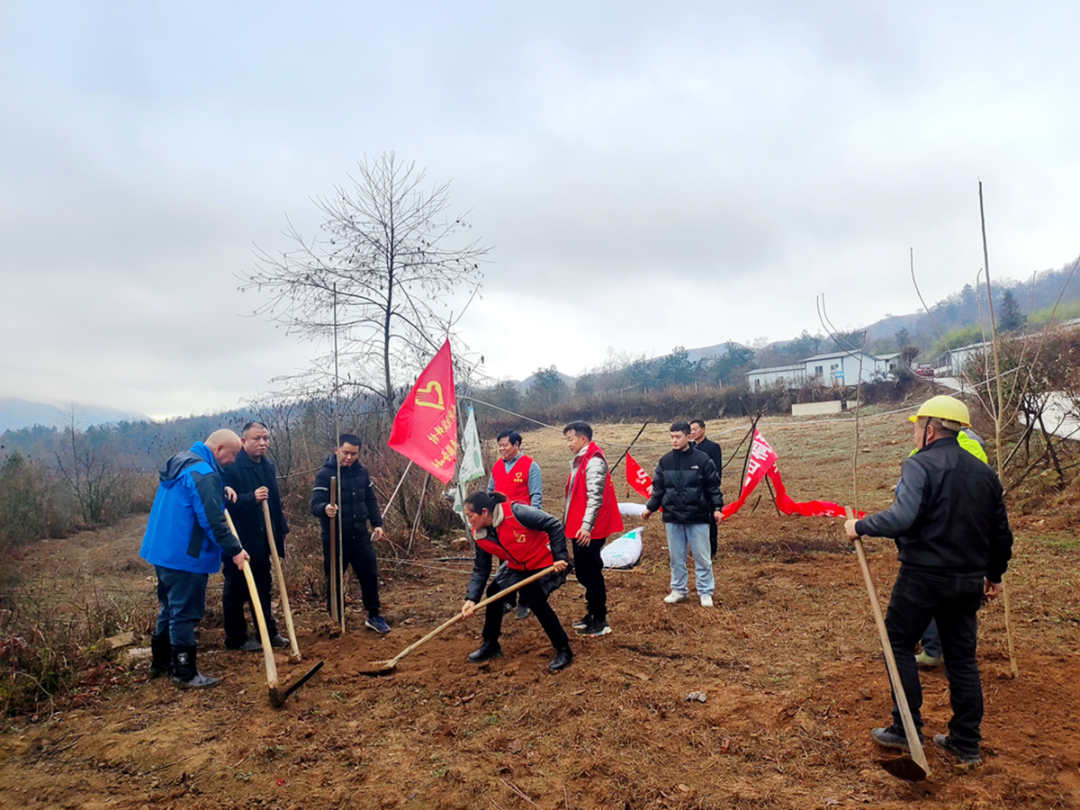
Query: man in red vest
(517, 477)
(592, 515)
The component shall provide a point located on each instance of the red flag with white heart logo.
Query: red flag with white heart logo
(425, 428)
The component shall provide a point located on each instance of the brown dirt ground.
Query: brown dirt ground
(789, 660)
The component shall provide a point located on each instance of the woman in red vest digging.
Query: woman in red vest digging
(528, 540)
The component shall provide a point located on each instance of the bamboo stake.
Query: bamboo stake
(1000, 413)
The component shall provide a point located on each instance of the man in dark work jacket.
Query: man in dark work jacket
(713, 451)
(954, 541)
(358, 508)
(254, 478)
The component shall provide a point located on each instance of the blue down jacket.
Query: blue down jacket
(187, 529)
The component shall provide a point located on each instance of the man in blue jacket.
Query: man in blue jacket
(184, 541)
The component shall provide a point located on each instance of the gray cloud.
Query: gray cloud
(649, 177)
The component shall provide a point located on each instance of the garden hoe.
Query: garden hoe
(277, 696)
(295, 655)
(382, 667)
(913, 768)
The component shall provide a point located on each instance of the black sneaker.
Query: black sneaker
(891, 737)
(523, 612)
(279, 641)
(251, 645)
(946, 743)
(584, 621)
(596, 627)
(487, 651)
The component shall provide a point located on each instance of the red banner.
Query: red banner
(638, 478)
(425, 428)
(763, 463)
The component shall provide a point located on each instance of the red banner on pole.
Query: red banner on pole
(763, 463)
(425, 428)
(638, 478)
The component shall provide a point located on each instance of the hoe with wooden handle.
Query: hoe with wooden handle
(282, 590)
(913, 769)
(277, 696)
(381, 667)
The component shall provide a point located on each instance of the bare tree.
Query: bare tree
(385, 272)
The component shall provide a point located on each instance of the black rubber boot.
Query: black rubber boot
(563, 658)
(185, 670)
(161, 655)
(487, 651)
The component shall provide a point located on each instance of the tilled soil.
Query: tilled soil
(788, 660)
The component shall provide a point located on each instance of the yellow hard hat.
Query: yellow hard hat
(948, 409)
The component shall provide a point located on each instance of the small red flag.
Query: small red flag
(638, 478)
(425, 428)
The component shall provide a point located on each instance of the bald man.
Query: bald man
(184, 541)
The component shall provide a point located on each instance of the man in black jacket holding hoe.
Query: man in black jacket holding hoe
(254, 478)
(358, 508)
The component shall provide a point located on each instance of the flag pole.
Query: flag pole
(617, 463)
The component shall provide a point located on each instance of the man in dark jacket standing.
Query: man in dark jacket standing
(358, 508)
(254, 478)
(185, 538)
(699, 441)
(952, 532)
(687, 485)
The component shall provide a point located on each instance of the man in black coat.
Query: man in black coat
(710, 448)
(358, 508)
(687, 485)
(254, 478)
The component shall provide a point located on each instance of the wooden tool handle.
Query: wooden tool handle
(500, 595)
(910, 731)
(256, 605)
(282, 590)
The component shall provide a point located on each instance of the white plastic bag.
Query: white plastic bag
(624, 551)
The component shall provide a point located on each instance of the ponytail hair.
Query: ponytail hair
(479, 501)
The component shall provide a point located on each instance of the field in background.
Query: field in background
(789, 661)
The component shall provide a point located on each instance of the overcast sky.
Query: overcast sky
(649, 175)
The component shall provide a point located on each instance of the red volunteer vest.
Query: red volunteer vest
(522, 549)
(608, 520)
(514, 484)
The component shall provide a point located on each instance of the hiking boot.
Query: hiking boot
(924, 660)
(522, 612)
(946, 743)
(487, 651)
(563, 658)
(185, 670)
(675, 597)
(597, 627)
(706, 601)
(161, 655)
(584, 621)
(891, 738)
(378, 624)
(279, 641)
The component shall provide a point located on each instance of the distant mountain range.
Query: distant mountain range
(20, 413)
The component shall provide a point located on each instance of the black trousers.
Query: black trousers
(713, 546)
(533, 597)
(235, 595)
(918, 597)
(359, 552)
(590, 572)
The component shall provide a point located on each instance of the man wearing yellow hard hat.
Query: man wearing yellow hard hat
(952, 532)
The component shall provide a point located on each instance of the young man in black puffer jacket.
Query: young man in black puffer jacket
(687, 485)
